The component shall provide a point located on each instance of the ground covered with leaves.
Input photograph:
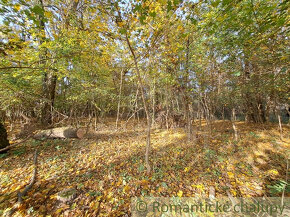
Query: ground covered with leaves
(107, 171)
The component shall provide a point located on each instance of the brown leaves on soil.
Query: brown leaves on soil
(107, 172)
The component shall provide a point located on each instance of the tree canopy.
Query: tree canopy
(171, 63)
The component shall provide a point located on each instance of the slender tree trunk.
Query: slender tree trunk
(135, 108)
(199, 116)
(153, 103)
(96, 120)
(207, 116)
(188, 120)
(136, 113)
(177, 103)
(280, 125)
(234, 124)
(185, 92)
(288, 112)
(167, 112)
(145, 106)
(119, 100)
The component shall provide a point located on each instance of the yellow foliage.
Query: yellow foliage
(273, 172)
(231, 175)
(17, 7)
(126, 189)
(180, 193)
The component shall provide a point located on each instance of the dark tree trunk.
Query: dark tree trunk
(49, 80)
(254, 103)
(49, 86)
(4, 142)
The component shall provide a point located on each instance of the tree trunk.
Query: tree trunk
(199, 115)
(119, 100)
(280, 126)
(4, 142)
(186, 95)
(49, 80)
(254, 104)
(153, 103)
(234, 124)
(145, 106)
(64, 133)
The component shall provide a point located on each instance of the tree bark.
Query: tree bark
(148, 117)
(4, 142)
(280, 126)
(254, 104)
(119, 100)
(234, 124)
(49, 79)
(185, 93)
(153, 103)
(60, 133)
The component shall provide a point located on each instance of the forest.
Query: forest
(102, 101)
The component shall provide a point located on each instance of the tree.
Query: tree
(4, 142)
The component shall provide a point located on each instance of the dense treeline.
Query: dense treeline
(83, 83)
(71, 56)
(187, 59)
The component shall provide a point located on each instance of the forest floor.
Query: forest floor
(107, 171)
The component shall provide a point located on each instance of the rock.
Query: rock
(67, 195)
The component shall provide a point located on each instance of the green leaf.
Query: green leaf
(164, 185)
(152, 14)
(142, 18)
(137, 8)
(141, 168)
(169, 6)
(284, 69)
(215, 3)
(193, 21)
(38, 10)
(237, 73)
(226, 2)
(176, 2)
(123, 31)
